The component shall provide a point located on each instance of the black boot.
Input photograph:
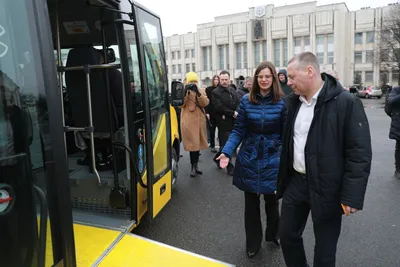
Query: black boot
(196, 167)
(193, 171)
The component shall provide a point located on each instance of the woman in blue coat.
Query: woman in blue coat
(259, 128)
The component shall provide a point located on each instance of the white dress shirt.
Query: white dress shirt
(301, 128)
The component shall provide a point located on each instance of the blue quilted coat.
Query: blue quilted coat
(259, 128)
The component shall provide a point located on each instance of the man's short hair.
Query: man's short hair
(248, 78)
(225, 72)
(305, 59)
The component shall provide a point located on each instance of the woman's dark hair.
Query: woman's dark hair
(213, 78)
(275, 87)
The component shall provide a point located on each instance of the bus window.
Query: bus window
(24, 135)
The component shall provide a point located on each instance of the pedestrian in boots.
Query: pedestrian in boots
(259, 128)
(193, 121)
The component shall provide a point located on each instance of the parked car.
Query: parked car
(355, 88)
(369, 92)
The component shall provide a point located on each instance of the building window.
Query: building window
(330, 49)
(227, 56)
(210, 57)
(257, 52)
(395, 77)
(193, 66)
(357, 57)
(173, 68)
(205, 58)
(369, 57)
(307, 44)
(370, 37)
(277, 52)
(173, 55)
(238, 48)
(369, 76)
(358, 38)
(285, 51)
(187, 53)
(221, 57)
(245, 55)
(187, 68)
(193, 54)
(357, 77)
(179, 68)
(179, 54)
(166, 55)
(265, 54)
(297, 45)
(321, 48)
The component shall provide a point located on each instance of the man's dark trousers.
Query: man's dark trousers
(294, 215)
(223, 137)
(212, 126)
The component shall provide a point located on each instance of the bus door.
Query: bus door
(148, 83)
(34, 190)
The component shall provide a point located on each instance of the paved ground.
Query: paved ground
(205, 215)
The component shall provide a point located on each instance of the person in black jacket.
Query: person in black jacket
(325, 161)
(225, 102)
(282, 75)
(392, 109)
(211, 116)
(245, 88)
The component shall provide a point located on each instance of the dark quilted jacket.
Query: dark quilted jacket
(259, 128)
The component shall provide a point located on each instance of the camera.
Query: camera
(191, 87)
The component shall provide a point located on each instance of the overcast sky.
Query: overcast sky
(182, 16)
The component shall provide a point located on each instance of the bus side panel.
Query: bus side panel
(174, 125)
(142, 198)
(162, 187)
(161, 193)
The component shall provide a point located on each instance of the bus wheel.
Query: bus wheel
(174, 167)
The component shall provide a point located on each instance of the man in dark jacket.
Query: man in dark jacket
(225, 102)
(245, 88)
(282, 75)
(392, 109)
(325, 161)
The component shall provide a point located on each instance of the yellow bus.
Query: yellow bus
(89, 147)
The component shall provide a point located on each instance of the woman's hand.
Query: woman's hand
(223, 161)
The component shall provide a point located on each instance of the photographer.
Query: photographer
(193, 121)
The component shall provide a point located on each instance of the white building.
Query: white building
(342, 40)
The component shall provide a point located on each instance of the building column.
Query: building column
(231, 51)
(290, 39)
(312, 33)
(214, 48)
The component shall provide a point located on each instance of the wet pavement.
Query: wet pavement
(205, 215)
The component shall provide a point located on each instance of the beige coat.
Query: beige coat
(193, 122)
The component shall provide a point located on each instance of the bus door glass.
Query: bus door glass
(152, 48)
(137, 108)
(25, 144)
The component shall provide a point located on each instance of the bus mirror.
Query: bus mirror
(110, 55)
(176, 94)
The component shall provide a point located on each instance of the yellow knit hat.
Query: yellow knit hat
(192, 77)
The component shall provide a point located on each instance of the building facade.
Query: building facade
(342, 40)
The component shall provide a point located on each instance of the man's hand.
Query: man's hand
(235, 114)
(348, 210)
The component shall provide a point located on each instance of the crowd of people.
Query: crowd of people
(303, 139)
